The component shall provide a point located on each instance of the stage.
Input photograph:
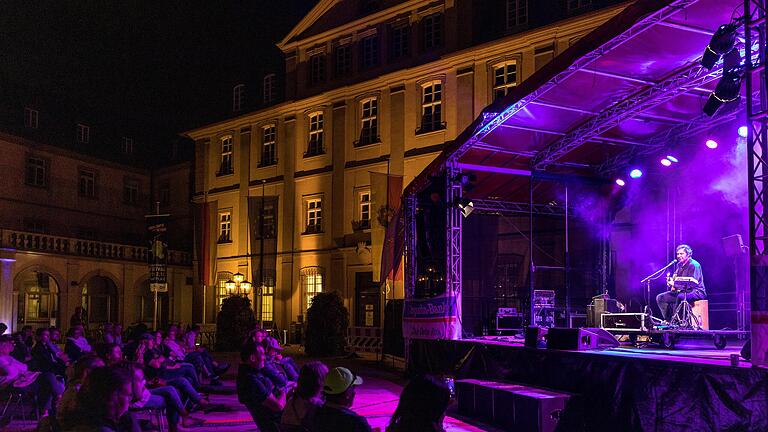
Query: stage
(631, 389)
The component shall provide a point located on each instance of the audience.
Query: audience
(159, 366)
(68, 403)
(336, 415)
(308, 397)
(200, 359)
(77, 345)
(285, 366)
(102, 403)
(16, 374)
(256, 391)
(422, 406)
(44, 357)
(22, 351)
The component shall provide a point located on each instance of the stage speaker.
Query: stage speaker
(579, 339)
(534, 336)
(733, 245)
(600, 305)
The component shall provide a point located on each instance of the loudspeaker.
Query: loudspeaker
(534, 336)
(600, 305)
(579, 339)
(733, 245)
(746, 350)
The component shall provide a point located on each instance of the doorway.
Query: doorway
(367, 301)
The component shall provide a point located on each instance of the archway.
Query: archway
(146, 306)
(38, 298)
(100, 300)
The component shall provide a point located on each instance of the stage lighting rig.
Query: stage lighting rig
(722, 42)
(466, 206)
(729, 87)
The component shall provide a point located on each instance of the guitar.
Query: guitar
(681, 283)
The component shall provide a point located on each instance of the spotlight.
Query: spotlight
(620, 182)
(727, 91)
(466, 207)
(635, 173)
(743, 131)
(666, 162)
(672, 159)
(711, 143)
(722, 41)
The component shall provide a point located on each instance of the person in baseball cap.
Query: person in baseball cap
(336, 415)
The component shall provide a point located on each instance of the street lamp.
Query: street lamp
(238, 277)
(238, 285)
(230, 285)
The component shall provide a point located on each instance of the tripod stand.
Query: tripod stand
(684, 316)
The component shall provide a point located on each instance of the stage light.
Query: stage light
(743, 131)
(466, 207)
(620, 182)
(672, 159)
(727, 91)
(722, 42)
(711, 144)
(636, 173)
(666, 162)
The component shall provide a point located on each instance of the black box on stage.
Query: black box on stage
(510, 406)
(629, 322)
(579, 339)
(509, 322)
(600, 305)
(534, 336)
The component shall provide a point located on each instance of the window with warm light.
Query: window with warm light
(225, 227)
(504, 78)
(315, 145)
(369, 121)
(268, 145)
(268, 299)
(221, 288)
(364, 205)
(226, 166)
(314, 208)
(431, 107)
(311, 283)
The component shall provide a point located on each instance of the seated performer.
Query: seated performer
(686, 267)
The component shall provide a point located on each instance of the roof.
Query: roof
(631, 87)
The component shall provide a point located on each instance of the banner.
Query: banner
(157, 225)
(385, 203)
(206, 238)
(262, 220)
(433, 318)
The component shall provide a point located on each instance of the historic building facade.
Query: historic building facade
(370, 87)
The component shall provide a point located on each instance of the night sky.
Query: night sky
(154, 68)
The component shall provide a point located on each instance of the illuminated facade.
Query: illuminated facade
(370, 86)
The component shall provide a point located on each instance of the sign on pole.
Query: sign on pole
(157, 256)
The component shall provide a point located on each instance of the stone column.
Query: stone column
(7, 260)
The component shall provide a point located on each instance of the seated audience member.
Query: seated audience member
(308, 397)
(422, 406)
(275, 355)
(83, 367)
(14, 373)
(21, 351)
(109, 352)
(165, 397)
(44, 358)
(336, 415)
(202, 360)
(77, 345)
(159, 366)
(102, 403)
(106, 334)
(256, 391)
(117, 334)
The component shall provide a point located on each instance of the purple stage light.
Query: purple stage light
(636, 173)
(620, 182)
(666, 162)
(743, 131)
(672, 159)
(711, 144)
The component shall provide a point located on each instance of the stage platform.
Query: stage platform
(693, 387)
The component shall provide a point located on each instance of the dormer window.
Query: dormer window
(238, 96)
(269, 89)
(83, 133)
(30, 118)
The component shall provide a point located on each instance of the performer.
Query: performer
(686, 266)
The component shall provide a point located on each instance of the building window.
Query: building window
(131, 192)
(343, 60)
(83, 134)
(314, 212)
(238, 96)
(315, 146)
(221, 288)
(431, 107)
(268, 145)
(543, 55)
(401, 42)
(36, 172)
(517, 13)
(504, 78)
(269, 89)
(433, 31)
(364, 206)
(311, 284)
(578, 4)
(87, 183)
(369, 123)
(225, 226)
(316, 69)
(370, 51)
(164, 194)
(30, 118)
(268, 300)
(226, 156)
(127, 145)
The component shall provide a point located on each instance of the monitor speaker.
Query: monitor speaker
(580, 339)
(534, 336)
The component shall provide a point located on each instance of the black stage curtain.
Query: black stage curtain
(613, 393)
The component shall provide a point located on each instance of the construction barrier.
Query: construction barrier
(364, 339)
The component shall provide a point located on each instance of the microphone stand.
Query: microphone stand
(647, 281)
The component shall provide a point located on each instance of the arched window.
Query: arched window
(100, 300)
(38, 299)
(221, 289)
(312, 280)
